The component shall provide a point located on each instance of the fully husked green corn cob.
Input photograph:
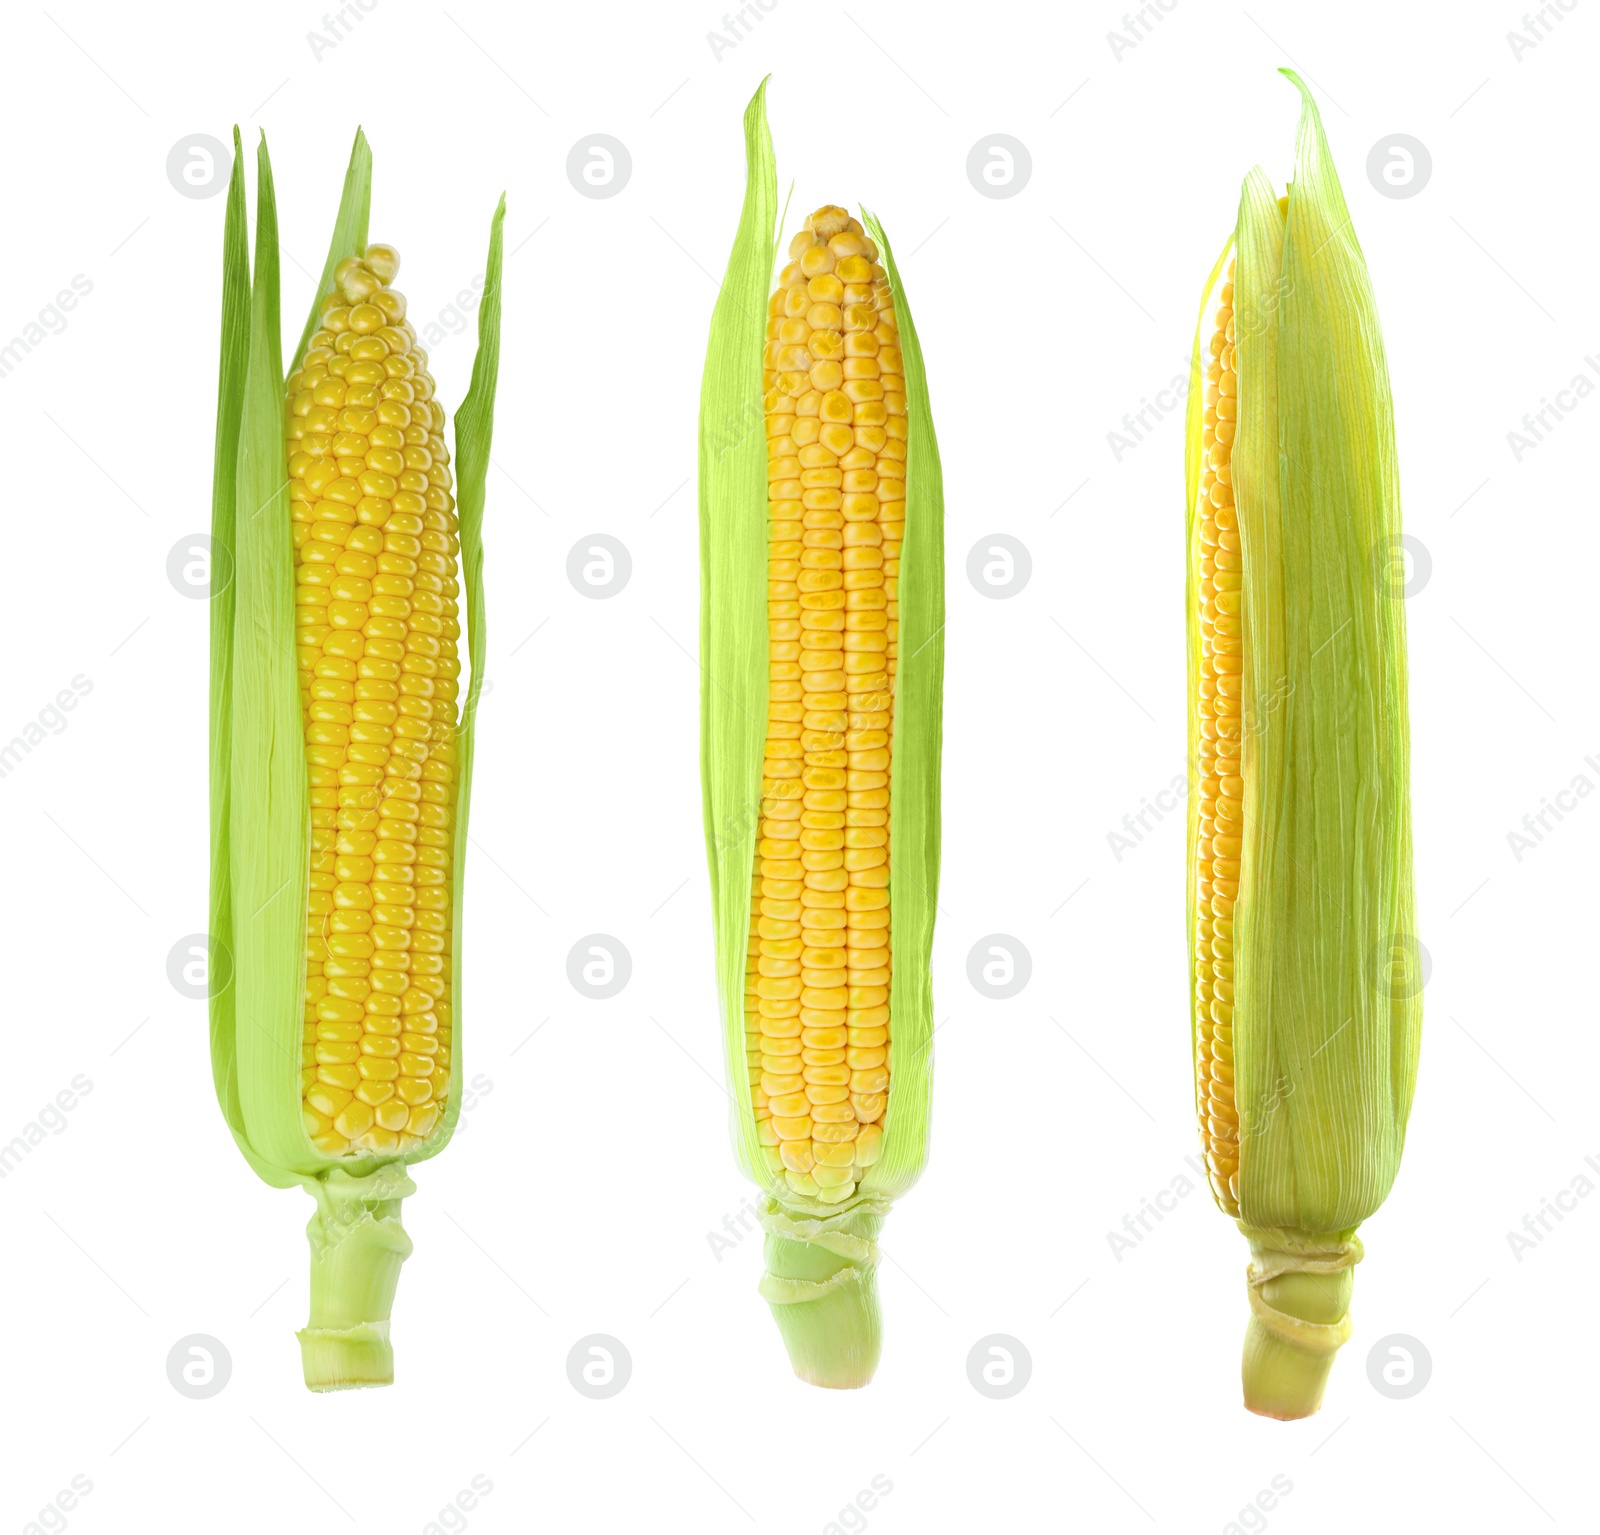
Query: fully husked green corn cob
(822, 603)
(341, 766)
(1305, 1036)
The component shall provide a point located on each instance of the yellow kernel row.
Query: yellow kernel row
(1220, 709)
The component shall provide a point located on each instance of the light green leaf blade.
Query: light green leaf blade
(349, 232)
(269, 805)
(733, 605)
(231, 373)
(474, 435)
(914, 771)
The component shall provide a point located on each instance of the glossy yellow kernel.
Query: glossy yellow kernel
(423, 1118)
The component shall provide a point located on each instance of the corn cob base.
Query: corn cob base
(357, 1247)
(822, 1284)
(1300, 1286)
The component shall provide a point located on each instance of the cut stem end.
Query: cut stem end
(1280, 1380)
(357, 1247)
(822, 1285)
(1300, 1286)
(344, 1360)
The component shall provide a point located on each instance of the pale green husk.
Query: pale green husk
(833, 1333)
(1325, 1047)
(260, 807)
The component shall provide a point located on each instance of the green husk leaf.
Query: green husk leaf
(1325, 1045)
(268, 799)
(260, 798)
(349, 232)
(474, 426)
(733, 599)
(914, 782)
(231, 372)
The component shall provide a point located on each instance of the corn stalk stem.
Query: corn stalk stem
(1300, 1285)
(822, 1284)
(357, 1247)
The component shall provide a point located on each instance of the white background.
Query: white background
(579, 1193)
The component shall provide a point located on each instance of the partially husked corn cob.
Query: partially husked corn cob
(341, 767)
(821, 636)
(375, 610)
(817, 988)
(1305, 1038)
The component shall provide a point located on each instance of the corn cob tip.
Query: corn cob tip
(383, 261)
(828, 221)
(1300, 1286)
(822, 1284)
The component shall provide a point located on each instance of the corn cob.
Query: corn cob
(1300, 891)
(336, 867)
(817, 975)
(375, 615)
(821, 625)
